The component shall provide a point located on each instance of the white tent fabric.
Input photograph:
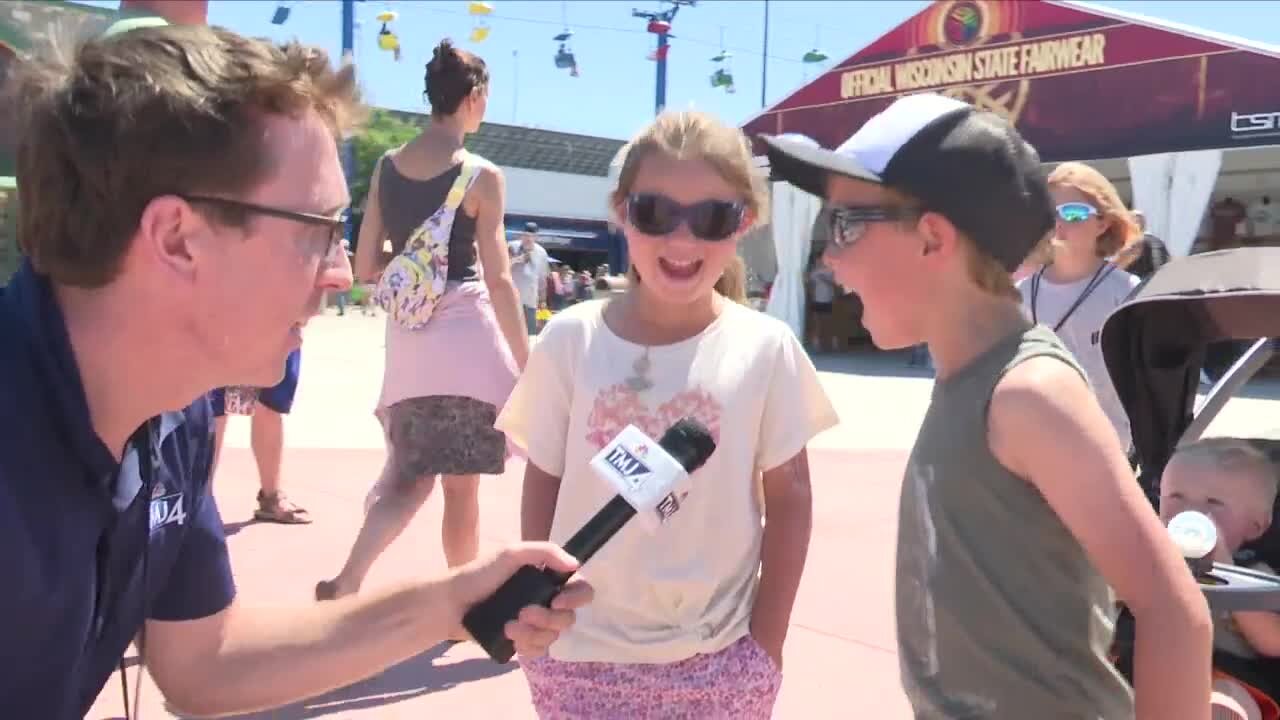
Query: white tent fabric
(794, 212)
(1173, 190)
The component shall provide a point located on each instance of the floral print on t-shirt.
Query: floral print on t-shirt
(617, 406)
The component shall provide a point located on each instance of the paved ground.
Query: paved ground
(840, 660)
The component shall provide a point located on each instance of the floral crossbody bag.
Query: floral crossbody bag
(414, 281)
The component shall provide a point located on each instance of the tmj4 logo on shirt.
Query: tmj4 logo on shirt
(166, 508)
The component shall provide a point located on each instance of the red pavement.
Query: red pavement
(840, 660)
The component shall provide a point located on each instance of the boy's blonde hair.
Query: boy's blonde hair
(690, 134)
(1122, 229)
(988, 274)
(984, 270)
(1235, 455)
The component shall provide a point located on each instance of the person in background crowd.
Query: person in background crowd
(822, 290)
(568, 285)
(1075, 292)
(1146, 255)
(127, 309)
(1227, 218)
(267, 408)
(445, 381)
(554, 291)
(530, 267)
(586, 286)
(1263, 220)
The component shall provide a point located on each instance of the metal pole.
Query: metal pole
(515, 94)
(348, 55)
(764, 58)
(348, 26)
(660, 101)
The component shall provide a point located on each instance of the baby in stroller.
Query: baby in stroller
(1233, 482)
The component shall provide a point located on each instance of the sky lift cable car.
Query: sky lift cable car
(388, 41)
(479, 11)
(564, 58)
(723, 75)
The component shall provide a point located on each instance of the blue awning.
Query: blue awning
(552, 238)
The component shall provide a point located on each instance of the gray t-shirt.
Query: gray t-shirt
(1000, 613)
(529, 270)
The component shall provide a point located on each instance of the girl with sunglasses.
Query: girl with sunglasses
(689, 620)
(1079, 287)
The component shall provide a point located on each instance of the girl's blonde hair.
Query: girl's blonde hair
(1122, 230)
(733, 282)
(693, 135)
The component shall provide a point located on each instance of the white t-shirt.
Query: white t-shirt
(690, 587)
(1082, 331)
(529, 274)
(1264, 219)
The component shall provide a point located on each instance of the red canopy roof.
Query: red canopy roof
(1080, 82)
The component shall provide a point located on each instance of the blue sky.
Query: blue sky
(614, 95)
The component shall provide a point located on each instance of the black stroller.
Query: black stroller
(1154, 347)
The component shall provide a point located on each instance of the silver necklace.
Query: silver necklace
(639, 381)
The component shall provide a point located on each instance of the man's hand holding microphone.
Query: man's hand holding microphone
(522, 603)
(535, 627)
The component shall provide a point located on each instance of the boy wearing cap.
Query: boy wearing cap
(1018, 511)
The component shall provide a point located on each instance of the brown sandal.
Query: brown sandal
(280, 509)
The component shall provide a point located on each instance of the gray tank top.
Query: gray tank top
(1000, 613)
(405, 203)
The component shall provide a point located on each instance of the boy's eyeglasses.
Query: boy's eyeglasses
(712, 220)
(1075, 212)
(849, 223)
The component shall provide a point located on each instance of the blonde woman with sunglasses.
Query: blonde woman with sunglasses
(1078, 286)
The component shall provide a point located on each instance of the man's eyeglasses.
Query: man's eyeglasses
(849, 223)
(337, 223)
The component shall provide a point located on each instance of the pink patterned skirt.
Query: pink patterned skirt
(739, 682)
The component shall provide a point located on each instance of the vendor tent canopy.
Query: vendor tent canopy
(1080, 82)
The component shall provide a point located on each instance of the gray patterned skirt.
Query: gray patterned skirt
(443, 435)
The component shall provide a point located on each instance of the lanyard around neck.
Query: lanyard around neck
(1098, 276)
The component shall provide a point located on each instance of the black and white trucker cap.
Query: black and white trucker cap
(971, 167)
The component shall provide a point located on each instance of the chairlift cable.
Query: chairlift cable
(613, 28)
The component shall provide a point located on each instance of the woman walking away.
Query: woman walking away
(455, 337)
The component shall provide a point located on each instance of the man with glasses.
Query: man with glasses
(181, 222)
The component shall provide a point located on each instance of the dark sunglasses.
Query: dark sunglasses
(849, 223)
(712, 220)
(337, 223)
(1075, 212)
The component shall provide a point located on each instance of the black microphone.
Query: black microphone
(650, 482)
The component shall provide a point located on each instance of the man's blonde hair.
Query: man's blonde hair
(1236, 455)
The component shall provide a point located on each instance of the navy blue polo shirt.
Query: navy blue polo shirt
(78, 530)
